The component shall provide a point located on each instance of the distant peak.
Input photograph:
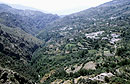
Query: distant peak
(4, 6)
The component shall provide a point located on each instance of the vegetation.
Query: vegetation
(30, 21)
(67, 44)
(98, 35)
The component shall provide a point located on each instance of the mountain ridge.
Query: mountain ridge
(88, 47)
(34, 21)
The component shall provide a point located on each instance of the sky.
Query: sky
(60, 7)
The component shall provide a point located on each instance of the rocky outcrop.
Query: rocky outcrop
(87, 66)
(101, 77)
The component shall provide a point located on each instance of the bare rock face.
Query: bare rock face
(90, 65)
(10, 77)
(102, 76)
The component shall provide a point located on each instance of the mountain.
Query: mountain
(4, 6)
(21, 7)
(89, 47)
(18, 43)
(16, 49)
(29, 21)
(83, 19)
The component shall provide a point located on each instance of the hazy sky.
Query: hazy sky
(61, 7)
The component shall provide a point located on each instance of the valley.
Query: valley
(88, 47)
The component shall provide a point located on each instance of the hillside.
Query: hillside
(15, 39)
(10, 77)
(84, 46)
(29, 21)
(16, 49)
(88, 47)
(89, 18)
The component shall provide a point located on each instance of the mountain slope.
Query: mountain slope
(87, 18)
(10, 77)
(30, 21)
(16, 49)
(97, 36)
(89, 47)
(17, 43)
